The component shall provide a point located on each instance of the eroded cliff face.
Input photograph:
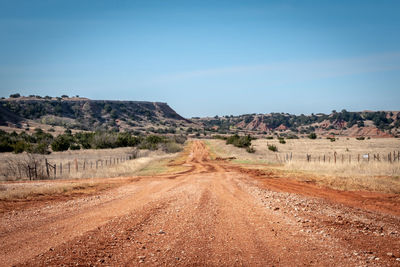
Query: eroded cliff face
(86, 114)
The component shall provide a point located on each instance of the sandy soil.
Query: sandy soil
(213, 214)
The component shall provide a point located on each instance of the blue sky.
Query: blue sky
(206, 57)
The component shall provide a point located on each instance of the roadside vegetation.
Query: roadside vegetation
(238, 141)
(40, 142)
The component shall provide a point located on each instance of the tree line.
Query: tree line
(40, 142)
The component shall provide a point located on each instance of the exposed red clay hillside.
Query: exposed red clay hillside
(214, 214)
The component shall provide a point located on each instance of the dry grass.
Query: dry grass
(155, 162)
(16, 191)
(106, 159)
(380, 176)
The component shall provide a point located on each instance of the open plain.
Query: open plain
(210, 212)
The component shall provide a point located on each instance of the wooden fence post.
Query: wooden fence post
(60, 168)
(84, 164)
(358, 157)
(76, 165)
(96, 164)
(334, 154)
(47, 168)
(69, 167)
(29, 172)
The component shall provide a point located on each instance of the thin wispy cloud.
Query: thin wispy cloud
(296, 71)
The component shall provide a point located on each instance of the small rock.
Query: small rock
(398, 259)
(276, 208)
(390, 254)
(161, 232)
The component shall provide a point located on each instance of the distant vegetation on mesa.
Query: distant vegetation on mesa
(77, 113)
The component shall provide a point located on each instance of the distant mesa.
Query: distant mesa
(80, 113)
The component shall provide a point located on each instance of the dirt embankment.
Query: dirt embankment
(211, 214)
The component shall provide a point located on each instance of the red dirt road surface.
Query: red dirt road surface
(215, 214)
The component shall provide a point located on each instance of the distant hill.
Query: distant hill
(77, 113)
(365, 123)
(85, 114)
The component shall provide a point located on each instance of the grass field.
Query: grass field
(291, 161)
(148, 163)
(91, 162)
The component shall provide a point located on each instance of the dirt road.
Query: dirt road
(213, 214)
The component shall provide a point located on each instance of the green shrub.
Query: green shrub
(75, 147)
(20, 146)
(217, 136)
(360, 138)
(126, 139)
(151, 142)
(61, 143)
(39, 148)
(5, 147)
(273, 148)
(171, 147)
(84, 139)
(282, 140)
(269, 137)
(180, 139)
(239, 141)
(250, 149)
(15, 95)
(312, 136)
(104, 140)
